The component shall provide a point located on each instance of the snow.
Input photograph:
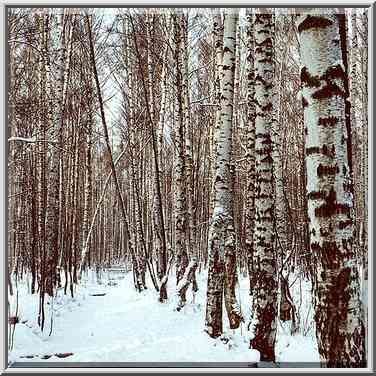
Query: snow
(299, 96)
(218, 211)
(164, 280)
(127, 326)
(296, 349)
(302, 346)
(340, 63)
(184, 280)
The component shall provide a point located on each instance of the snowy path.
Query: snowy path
(125, 326)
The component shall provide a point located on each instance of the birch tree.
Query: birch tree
(265, 297)
(339, 327)
(143, 140)
(221, 243)
(186, 262)
(218, 57)
(164, 266)
(180, 192)
(250, 152)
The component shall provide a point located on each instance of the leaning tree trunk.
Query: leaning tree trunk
(339, 326)
(221, 244)
(107, 141)
(265, 296)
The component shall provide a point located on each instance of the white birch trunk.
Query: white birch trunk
(218, 45)
(56, 108)
(339, 327)
(180, 208)
(221, 243)
(265, 296)
(250, 152)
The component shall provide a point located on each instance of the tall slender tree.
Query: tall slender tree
(250, 151)
(221, 272)
(264, 259)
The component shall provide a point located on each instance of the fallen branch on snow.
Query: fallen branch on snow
(47, 356)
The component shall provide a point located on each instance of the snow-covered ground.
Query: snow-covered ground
(127, 326)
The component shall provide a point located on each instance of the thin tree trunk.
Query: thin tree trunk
(221, 244)
(105, 128)
(180, 209)
(218, 48)
(57, 119)
(164, 266)
(265, 297)
(250, 152)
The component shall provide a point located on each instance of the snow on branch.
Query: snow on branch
(22, 139)
(185, 280)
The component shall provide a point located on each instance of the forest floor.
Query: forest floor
(127, 326)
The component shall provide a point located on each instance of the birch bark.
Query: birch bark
(265, 297)
(339, 327)
(250, 152)
(221, 243)
(179, 160)
(218, 48)
(56, 117)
